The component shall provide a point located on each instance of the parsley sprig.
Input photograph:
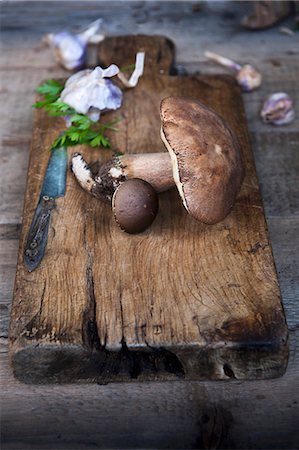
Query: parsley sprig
(82, 130)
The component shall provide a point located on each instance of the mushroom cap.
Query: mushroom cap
(135, 205)
(207, 161)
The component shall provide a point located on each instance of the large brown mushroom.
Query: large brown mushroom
(205, 162)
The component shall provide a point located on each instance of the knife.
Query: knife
(54, 186)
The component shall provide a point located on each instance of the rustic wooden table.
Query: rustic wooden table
(259, 414)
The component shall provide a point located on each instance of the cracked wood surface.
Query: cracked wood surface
(260, 414)
(181, 299)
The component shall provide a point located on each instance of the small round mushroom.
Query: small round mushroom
(204, 161)
(135, 205)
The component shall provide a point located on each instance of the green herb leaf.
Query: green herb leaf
(82, 130)
(59, 108)
(41, 104)
(75, 136)
(99, 140)
(82, 121)
(51, 89)
(128, 67)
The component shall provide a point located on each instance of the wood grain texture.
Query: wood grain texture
(262, 414)
(181, 299)
(175, 415)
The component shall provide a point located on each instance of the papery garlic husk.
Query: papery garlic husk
(137, 73)
(278, 109)
(71, 49)
(249, 78)
(90, 92)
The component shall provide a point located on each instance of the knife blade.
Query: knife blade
(54, 186)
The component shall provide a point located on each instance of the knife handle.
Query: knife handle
(38, 233)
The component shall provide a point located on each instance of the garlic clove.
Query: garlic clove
(94, 114)
(114, 96)
(278, 109)
(71, 49)
(73, 79)
(249, 78)
(89, 91)
(91, 33)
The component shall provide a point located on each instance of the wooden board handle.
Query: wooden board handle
(159, 52)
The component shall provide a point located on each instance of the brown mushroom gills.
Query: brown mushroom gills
(135, 205)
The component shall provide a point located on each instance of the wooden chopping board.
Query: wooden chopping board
(180, 300)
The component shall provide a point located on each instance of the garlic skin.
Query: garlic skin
(89, 92)
(278, 109)
(249, 78)
(71, 49)
(138, 72)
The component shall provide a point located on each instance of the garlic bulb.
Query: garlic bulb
(71, 49)
(278, 109)
(89, 92)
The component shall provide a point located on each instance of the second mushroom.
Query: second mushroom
(204, 161)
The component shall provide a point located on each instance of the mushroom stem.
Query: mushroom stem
(155, 168)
